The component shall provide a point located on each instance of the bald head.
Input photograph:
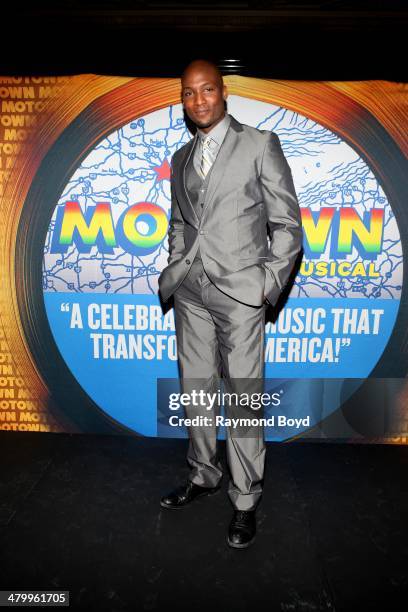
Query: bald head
(206, 65)
(203, 94)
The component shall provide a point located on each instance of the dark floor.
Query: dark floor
(81, 513)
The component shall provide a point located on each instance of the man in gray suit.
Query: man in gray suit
(229, 184)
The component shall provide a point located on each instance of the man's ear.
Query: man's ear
(225, 92)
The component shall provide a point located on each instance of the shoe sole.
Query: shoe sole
(234, 545)
(206, 494)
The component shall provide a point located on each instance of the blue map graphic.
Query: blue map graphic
(131, 166)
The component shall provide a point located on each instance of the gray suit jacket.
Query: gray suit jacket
(250, 188)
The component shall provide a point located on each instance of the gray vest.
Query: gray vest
(196, 188)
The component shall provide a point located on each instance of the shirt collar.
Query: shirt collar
(218, 132)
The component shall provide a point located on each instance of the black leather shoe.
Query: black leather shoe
(185, 494)
(242, 529)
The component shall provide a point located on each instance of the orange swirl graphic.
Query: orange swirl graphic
(96, 105)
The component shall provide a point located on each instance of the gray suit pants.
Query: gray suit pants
(219, 336)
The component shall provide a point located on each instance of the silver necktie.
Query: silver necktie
(207, 158)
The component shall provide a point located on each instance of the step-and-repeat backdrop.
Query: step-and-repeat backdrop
(86, 345)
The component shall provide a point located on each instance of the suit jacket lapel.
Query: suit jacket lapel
(179, 176)
(184, 166)
(224, 155)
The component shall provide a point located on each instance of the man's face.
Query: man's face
(203, 96)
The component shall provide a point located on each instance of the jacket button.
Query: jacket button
(188, 262)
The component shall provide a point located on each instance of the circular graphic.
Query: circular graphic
(106, 246)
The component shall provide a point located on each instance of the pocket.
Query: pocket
(253, 260)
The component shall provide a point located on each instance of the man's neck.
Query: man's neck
(208, 130)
